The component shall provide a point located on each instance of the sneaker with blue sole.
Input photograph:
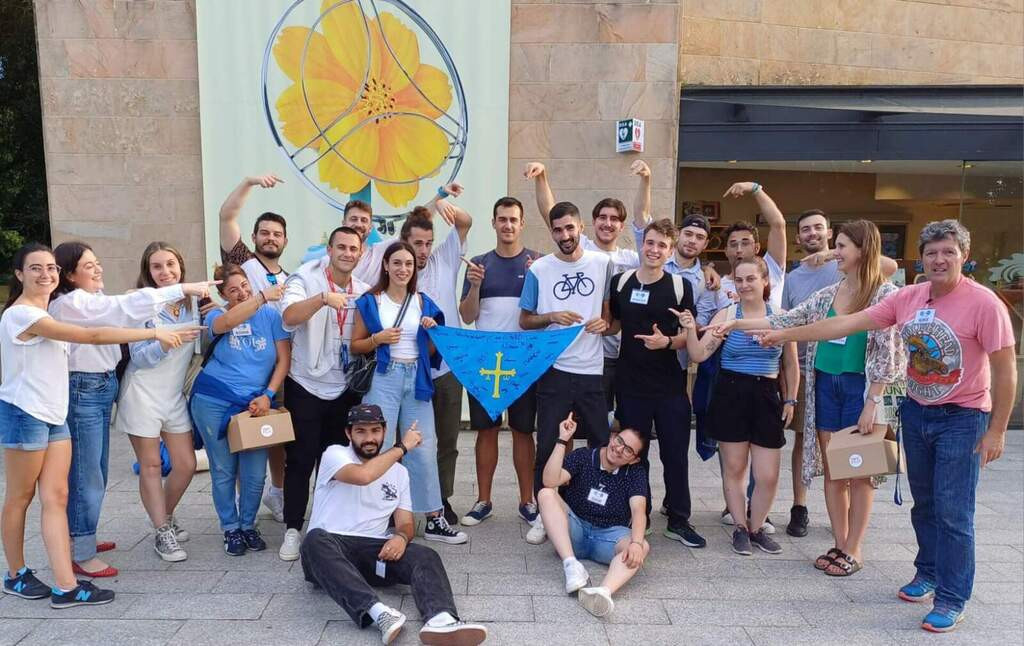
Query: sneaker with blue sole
(480, 512)
(85, 594)
(25, 585)
(942, 620)
(234, 542)
(918, 590)
(528, 511)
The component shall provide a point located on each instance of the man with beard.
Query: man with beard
(318, 302)
(349, 545)
(262, 270)
(564, 289)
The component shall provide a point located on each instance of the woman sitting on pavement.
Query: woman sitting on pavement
(244, 372)
(603, 516)
(845, 380)
(747, 413)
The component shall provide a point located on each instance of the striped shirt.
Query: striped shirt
(741, 353)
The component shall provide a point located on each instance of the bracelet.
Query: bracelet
(442, 193)
(373, 340)
(323, 299)
(269, 393)
(791, 402)
(640, 543)
(401, 446)
(564, 443)
(668, 346)
(403, 536)
(757, 187)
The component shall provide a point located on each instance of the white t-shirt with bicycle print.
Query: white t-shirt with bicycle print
(554, 285)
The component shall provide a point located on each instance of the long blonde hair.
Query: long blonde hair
(864, 235)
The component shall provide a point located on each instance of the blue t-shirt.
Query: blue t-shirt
(245, 359)
(584, 466)
(500, 291)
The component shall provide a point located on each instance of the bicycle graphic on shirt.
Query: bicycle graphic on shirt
(578, 284)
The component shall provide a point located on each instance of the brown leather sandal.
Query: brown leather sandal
(846, 564)
(827, 559)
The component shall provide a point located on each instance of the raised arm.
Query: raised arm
(642, 201)
(469, 307)
(362, 474)
(230, 233)
(699, 349)
(554, 475)
(243, 312)
(545, 198)
(772, 215)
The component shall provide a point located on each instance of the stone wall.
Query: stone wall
(851, 42)
(120, 94)
(576, 68)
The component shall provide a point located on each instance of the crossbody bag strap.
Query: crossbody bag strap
(403, 310)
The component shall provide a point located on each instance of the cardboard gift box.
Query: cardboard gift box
(248, 432)
(853, 455)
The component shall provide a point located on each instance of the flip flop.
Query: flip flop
(105, 546)
(829, 557)
(846, 563)
(105, 572)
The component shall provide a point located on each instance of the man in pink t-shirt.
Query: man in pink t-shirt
(961, 378)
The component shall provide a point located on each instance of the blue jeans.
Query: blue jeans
(394, 391)
(592, 542)
(838, 399)
(248, 468)
(92, 395)
(942, 469)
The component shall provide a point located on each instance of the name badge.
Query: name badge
(381, 569)
(925, 316)
(598, 497)
(639, 296)
(840, 341)
(242, 330)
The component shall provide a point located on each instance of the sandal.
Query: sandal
(846, 563)
(827, 559)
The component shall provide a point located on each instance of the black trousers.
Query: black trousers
(346, 566)
(558, 393)
(671, 417)
(318, 424)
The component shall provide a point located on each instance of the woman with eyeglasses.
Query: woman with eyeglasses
(79, 299)
(34, 395)
(603, 515)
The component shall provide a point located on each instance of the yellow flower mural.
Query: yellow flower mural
(388, 131)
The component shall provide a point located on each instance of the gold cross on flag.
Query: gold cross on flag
(497, 373)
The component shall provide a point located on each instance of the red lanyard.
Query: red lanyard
(343, 312)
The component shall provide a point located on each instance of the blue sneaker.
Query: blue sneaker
(478, 514)
(25, 585)
(918, 590)
(253, 540)
(86, 594)
(528, 511)
(234, 542)
(942, 620)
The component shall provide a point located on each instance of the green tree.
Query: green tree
(23, 207)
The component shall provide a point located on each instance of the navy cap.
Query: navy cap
(698, 221)
(365, 414)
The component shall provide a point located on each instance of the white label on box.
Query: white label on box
(266, 430)
(856, 460)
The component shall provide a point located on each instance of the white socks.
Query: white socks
(376, 609)
(568, 561)
(275, 491)
(441, 619)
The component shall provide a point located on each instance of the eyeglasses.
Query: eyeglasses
(626, 449)
(43, 269)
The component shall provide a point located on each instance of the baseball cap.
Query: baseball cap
(365, 414)
(698, 221)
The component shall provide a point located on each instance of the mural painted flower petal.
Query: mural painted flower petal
(346, 31)
(404, 52)
(433, 83)
(320, 62)
(420, 143)
(327, 98)
(360, 147)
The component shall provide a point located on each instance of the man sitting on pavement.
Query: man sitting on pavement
(603, 516)
(348, 545)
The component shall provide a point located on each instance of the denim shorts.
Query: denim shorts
(593, 542)
(19, 430)
(838, 400)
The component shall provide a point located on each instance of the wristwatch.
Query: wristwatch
(876, 398)
(564, 443)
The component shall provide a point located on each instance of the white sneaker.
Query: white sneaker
(290, 546)
(537, 533)
(390, 623)
(275, 503)
(768, 527)
(458, 633)
(179, 533)
(166, 545)
(597, 601)
(438, 529)
(576, 576)
(727, 518)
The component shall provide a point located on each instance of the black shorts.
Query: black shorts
(522, 414)
(746, 408)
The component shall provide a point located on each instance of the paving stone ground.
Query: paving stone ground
(682, 596)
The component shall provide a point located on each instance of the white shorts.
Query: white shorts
(130, 421)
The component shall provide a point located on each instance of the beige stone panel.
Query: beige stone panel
(185, 135)
(110, 235)
(105, 203)
(782, 43)
(178, 20)
(62, 97)
(106, 135)
(614, 173)
(1005, 61)
(566, 175)
(152, 97)
(662, 63)
(663, 203)
(529, 140)
(582, 139)
(962, 23)
(878, 16)
(552, 101)
(749, 10)
(853, 48)
(181, 59)
(740, 39)
(660, 138)
(529, 62)
(901, 52)
(187, 205)
(159, 59)
(554, 24)
(169, 170)
(701, 36)
(796, 73)
(96, 58)
(138, 18)
(619, 23)
(637, 100)
(75, 18)
(821, 14)
(607, 62)
(717, 70)
(52, 58)
(79, 168)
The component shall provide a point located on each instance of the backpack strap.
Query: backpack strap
(677, 285)
(624, 278)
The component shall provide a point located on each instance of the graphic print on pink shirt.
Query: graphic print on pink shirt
(934, 361)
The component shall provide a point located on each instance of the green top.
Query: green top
(842, 355)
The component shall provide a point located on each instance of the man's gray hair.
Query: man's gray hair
(942, 229)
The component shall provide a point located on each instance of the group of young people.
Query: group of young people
(811, 350)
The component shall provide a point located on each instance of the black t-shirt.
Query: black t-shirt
(640, 372)
(584, 467)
